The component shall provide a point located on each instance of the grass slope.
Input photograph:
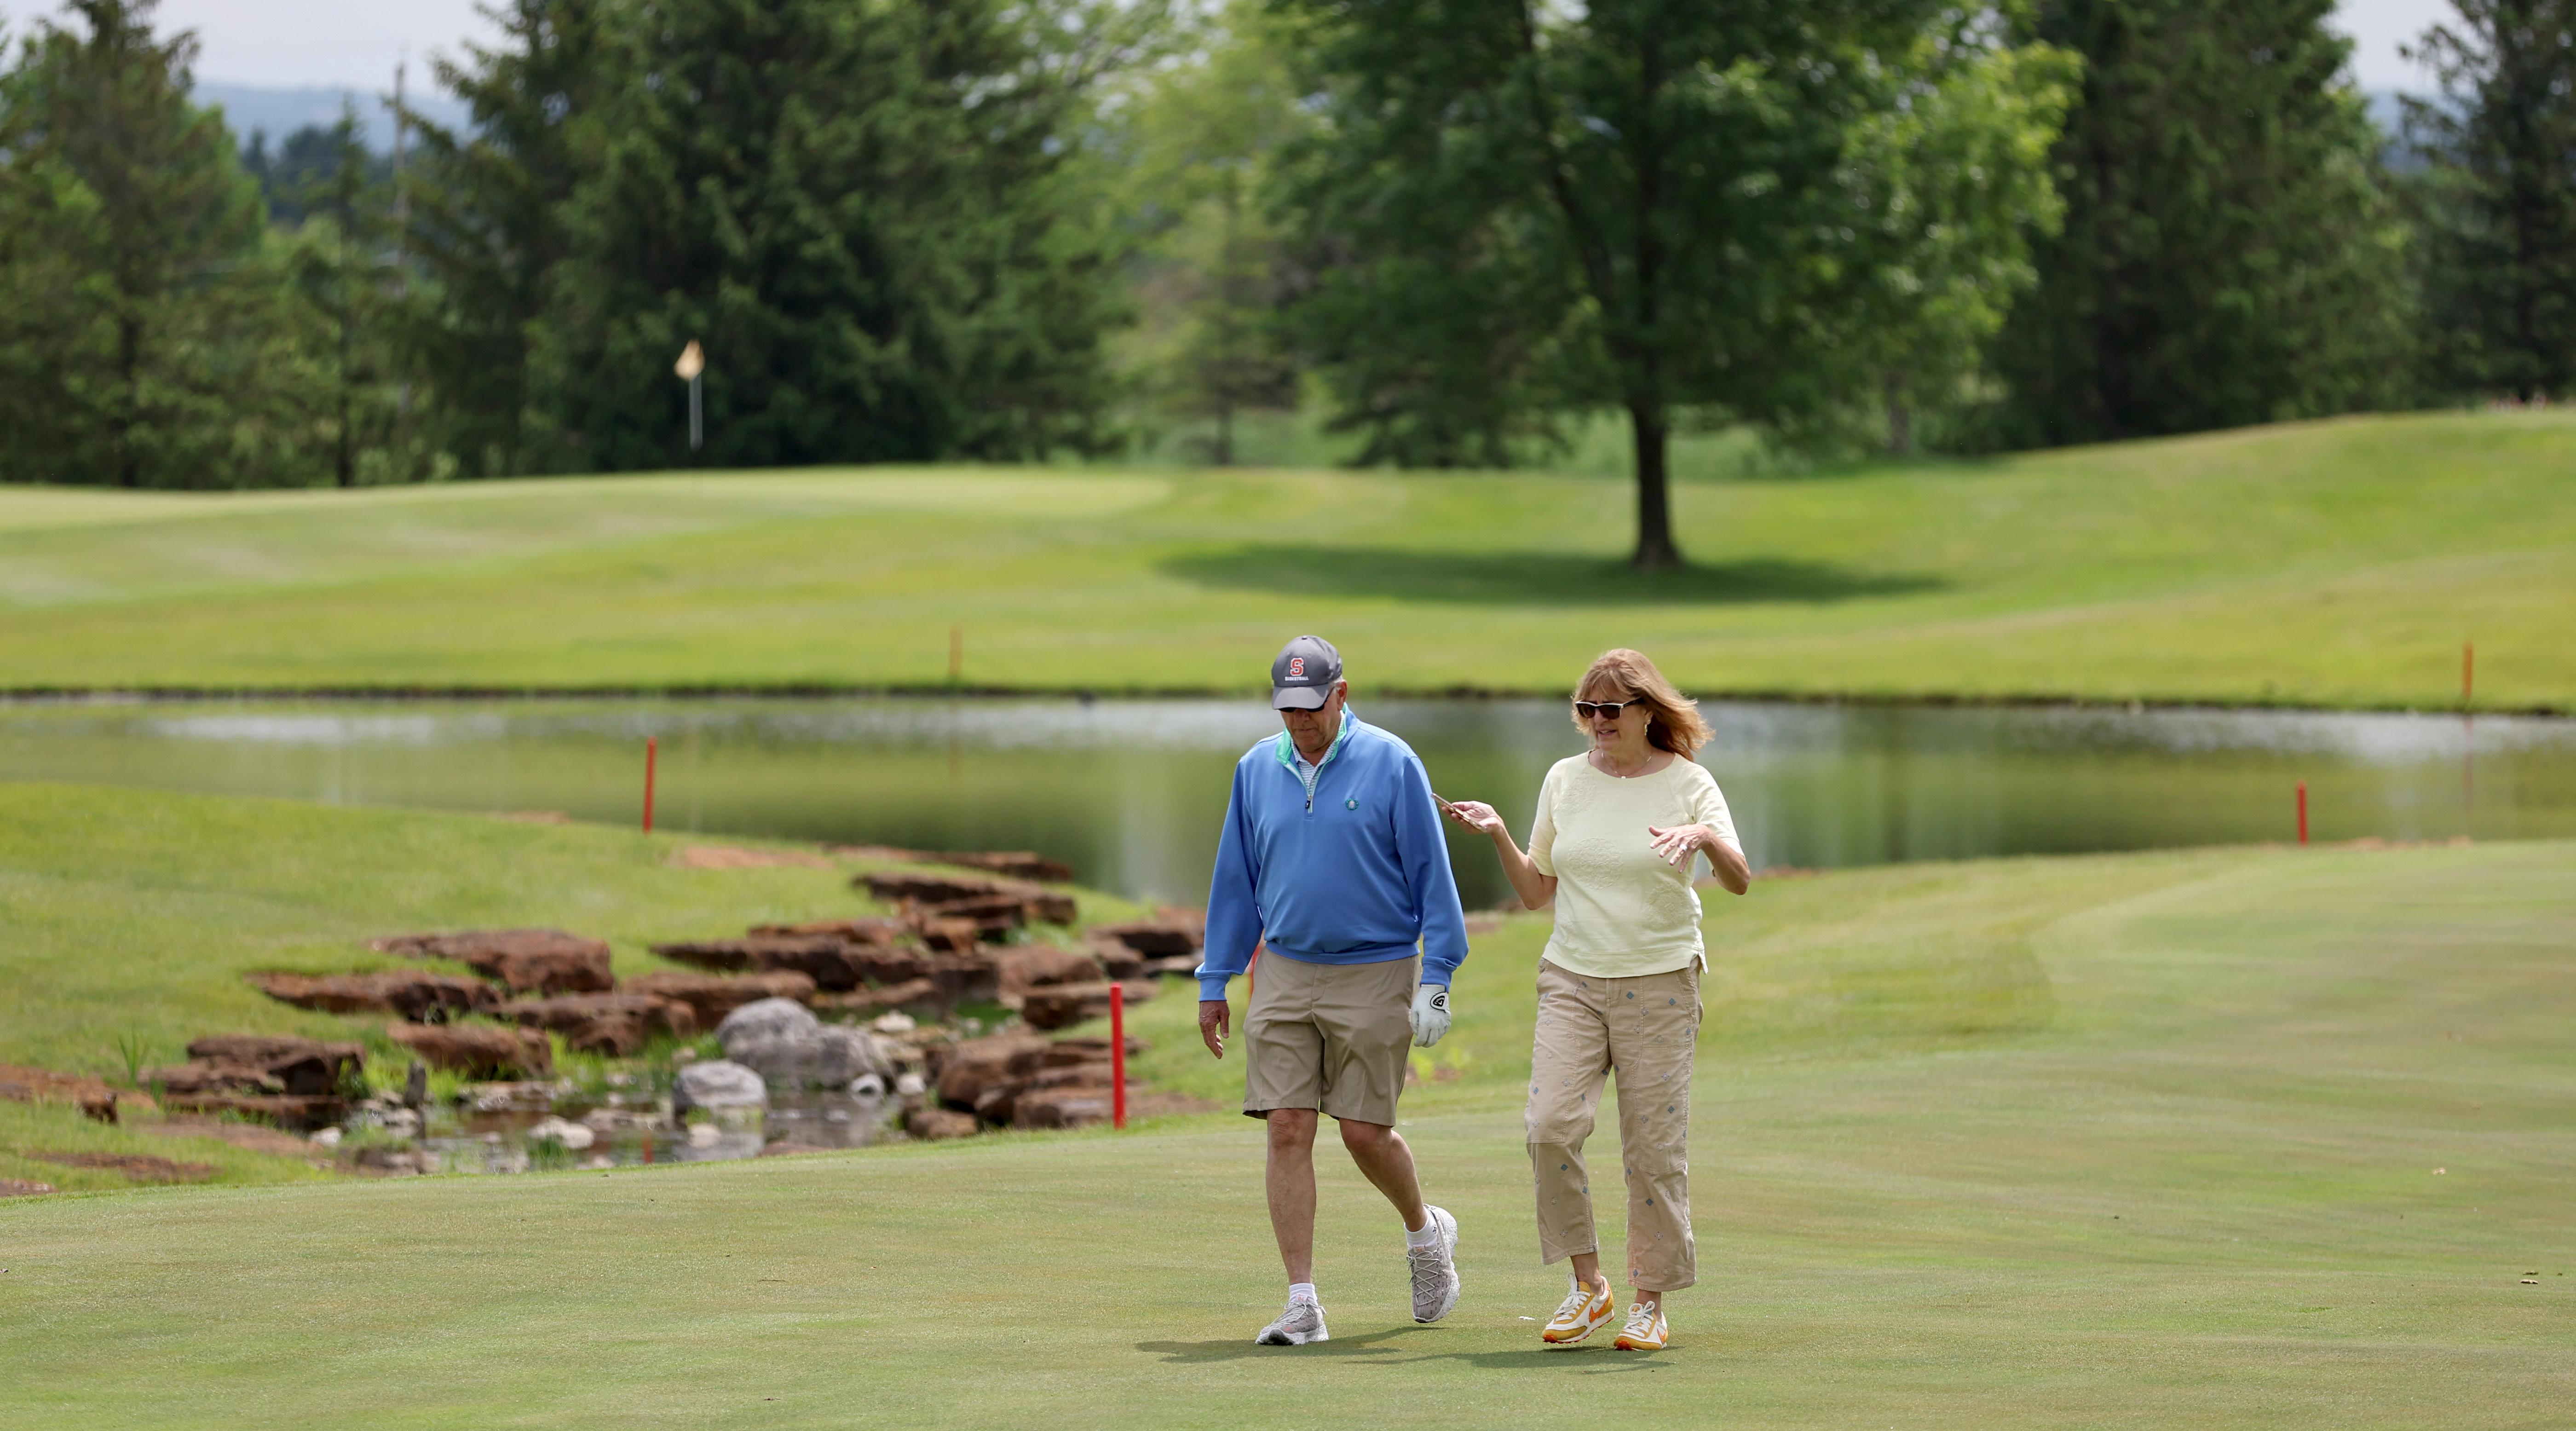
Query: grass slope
(130, 917)
(2144, 1139)
(2337, 563)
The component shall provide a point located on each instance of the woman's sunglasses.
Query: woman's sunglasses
(1603, 710)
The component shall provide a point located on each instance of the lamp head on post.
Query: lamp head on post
(693, 363)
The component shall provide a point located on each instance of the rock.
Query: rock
(547, 961)
(1153, 938)
(785, 1045)
(614, 1024)
(952, 935)
(717, 1083)
(251, 1062)
(1021, 968)
(966, 978)
(1061, 1108)
(327, 1138)
(935, 1124)
(831, 962)
(967, 1070)
(910, 994)
(418, 996)
(999, 1103)
(92, 1096)
(575, 1137)
(897, 1023)
(911, 1085)
(393, 1162)
(1088, 1050)
(1017, 864)
(1117, 961)
(20, 1187)
(767, 1019)
(866, 1085)
(1064, 1005)
(851, 931)
(955, 895)
(713, 996)
(906, 887)
(478, 1049)
(1178, 966)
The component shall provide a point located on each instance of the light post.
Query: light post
(691, 367)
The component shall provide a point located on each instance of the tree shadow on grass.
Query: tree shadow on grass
(1527, 578)
(1364, 1350)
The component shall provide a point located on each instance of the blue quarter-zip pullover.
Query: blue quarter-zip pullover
(1351, 871)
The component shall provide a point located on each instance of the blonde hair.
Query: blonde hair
(1673, 720)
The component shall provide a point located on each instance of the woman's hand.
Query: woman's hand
(1536, 890)
(1679, 843)
(1476, 815)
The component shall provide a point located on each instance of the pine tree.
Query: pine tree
(129, 273)
(486, 223)
(862, 211)
(2231, 253)
(2500, 196)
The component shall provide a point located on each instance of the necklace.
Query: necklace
(1603, 762)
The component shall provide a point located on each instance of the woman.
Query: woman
(1613, 848)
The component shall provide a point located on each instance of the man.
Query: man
(1333, 864)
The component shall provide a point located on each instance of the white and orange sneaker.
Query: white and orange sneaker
(1301, 1325)
(1586, 1310)
(1645, 1330)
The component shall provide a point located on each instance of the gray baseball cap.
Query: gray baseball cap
(1303, 675)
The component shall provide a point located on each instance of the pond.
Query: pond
(1130, 793)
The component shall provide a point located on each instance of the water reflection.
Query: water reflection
(1130, 792)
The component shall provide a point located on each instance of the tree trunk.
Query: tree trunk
(1900, 418)
(1655, 549)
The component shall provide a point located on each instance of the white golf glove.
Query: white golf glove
(1430, 1014)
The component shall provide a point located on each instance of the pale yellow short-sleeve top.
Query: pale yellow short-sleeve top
(1621, 910)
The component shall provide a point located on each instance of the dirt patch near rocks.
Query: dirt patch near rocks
(257, 1137)
(141, 1167)
(38, 1085)
(727, 857)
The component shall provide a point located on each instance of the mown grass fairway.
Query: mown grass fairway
(2139, 1140)
(2337, 563)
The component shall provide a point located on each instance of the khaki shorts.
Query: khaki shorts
(1331, 1037)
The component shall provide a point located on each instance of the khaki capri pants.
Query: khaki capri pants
(1647, 1028)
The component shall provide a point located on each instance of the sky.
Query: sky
(355, 43)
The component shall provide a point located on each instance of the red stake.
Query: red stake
(1117, 1056)
(2468, 672)
(2303, 812)
(652, 748)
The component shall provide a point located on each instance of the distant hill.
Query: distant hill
(283, 111)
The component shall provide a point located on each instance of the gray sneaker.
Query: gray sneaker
(1435, 1269)
(1303, 1322)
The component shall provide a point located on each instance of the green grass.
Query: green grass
(2338, 564)
(2137, 1140)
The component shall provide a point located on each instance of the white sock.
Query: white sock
(1302, 1292)
(1425, 1235)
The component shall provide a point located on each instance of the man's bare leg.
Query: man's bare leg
(1387, 1162)
(1291, 1183)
